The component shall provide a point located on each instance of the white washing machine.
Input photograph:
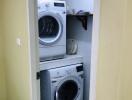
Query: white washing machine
(52, 29)
(64, 83)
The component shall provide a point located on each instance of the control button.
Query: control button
(47, 5)
(58, 73)
(39, 7)
(68, 71)
(63, 12)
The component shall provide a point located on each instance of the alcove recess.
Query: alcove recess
(79, 27)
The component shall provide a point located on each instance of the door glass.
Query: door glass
(48, 27)
(68, 90)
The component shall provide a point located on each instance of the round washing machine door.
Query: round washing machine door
(50, 27)
(68, 89)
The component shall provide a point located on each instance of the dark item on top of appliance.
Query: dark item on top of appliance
(82, 16)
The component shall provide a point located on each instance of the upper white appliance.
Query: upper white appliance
(52, 29)
(64, 83)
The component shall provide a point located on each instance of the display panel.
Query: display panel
(59, 4)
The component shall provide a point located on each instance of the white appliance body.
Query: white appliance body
(68, 60)
(64, 83)
(52, 29)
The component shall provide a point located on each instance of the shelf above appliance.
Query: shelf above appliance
(82, 17)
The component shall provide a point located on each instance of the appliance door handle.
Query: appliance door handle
(56, 95)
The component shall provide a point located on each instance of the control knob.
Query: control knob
(47, 5)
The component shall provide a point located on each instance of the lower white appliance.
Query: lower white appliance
(62, 83)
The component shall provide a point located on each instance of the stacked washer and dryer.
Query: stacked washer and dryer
(61, 76)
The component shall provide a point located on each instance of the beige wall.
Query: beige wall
(2, 67)
(16, 57)
(2, 71)
(126, 75)
(114, 71)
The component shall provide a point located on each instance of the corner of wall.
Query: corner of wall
(2, 66)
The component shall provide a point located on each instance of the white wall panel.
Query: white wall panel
(86, 5)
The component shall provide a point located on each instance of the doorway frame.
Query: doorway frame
(95, 49)
(34, 56)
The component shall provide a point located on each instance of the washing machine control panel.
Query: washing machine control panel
(56, 73)
(66, 71)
